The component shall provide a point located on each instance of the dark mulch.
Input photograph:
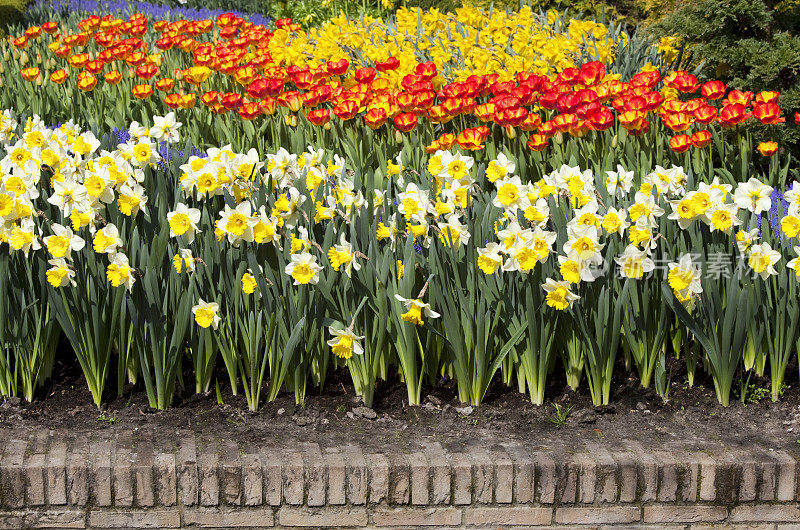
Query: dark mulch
(690, 417)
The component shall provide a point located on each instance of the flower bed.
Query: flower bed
(418, 232)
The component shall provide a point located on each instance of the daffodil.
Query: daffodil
(415, 309)
(345, 343)
(558, 294)
(206, 314)
(303, 268)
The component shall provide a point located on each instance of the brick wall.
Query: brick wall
(50, 480)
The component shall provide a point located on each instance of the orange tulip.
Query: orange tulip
(701, 139)
(375, 118)
(768, 148)
(768, 113)
(319, 117)
(679, 121)
(165, 84)
(473, 139)
(87, 82)
(405, 121)
(113, 77)
(29, 74)
(680, 143)
(172, 100)
(705, 114)
(78, 60)
(249, 110)
(142, 91)
(146, 71)
(713, 89)
(537, 142)
(59, 76)
(187, 101)
(346, 109)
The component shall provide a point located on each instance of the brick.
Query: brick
(187, 473)
(272, 472)
(77, 472)
(748, 478)
(337, 479)
(684, 514)
(607, 469)
(708, 474)
(355, 475)
(503, 478)
(315, 475)
(416, 516)
(378, 485)
(56, 471)
(667, 477)
(462, 479)
(765, 513)
(143, 474)
(252, 480)
(122, 471)
(319, 517)
(100, 455)
(571, 484)
(508, 515)
(768, 484)
(399, 479)
(729, 526)
(293, 478)
(231, 477)
(135, 519)
(588, 478)
(523, 474)
(34, 479)
(420, 478)
(53, 518)
(483, 476)
(629, 476)
(610, 515)
(546, 478)
(441, 478)
(236, 518)
(12, 474)
(787, 473)
(647, 468)
(208, 474)
(691, 476)
(166, 484)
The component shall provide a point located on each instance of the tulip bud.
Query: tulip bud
(38, 59)
(327, 126)
(6, 56)
(614, 141)
(398, 136)
(558, 138)
(1, 83)
(38, 81)
(511, 132)
(15, 53)
(291, 120)
(23, 59)
(69, 92)
(2, 69)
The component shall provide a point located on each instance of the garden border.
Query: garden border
(103, 480)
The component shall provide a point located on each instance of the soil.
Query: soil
(690, 418)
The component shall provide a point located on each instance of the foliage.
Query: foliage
(751, 45)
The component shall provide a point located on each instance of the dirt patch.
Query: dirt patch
(690, 417)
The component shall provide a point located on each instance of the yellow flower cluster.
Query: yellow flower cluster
(470, 41)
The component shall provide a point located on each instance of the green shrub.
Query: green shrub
(750, 44)
(11, 13)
